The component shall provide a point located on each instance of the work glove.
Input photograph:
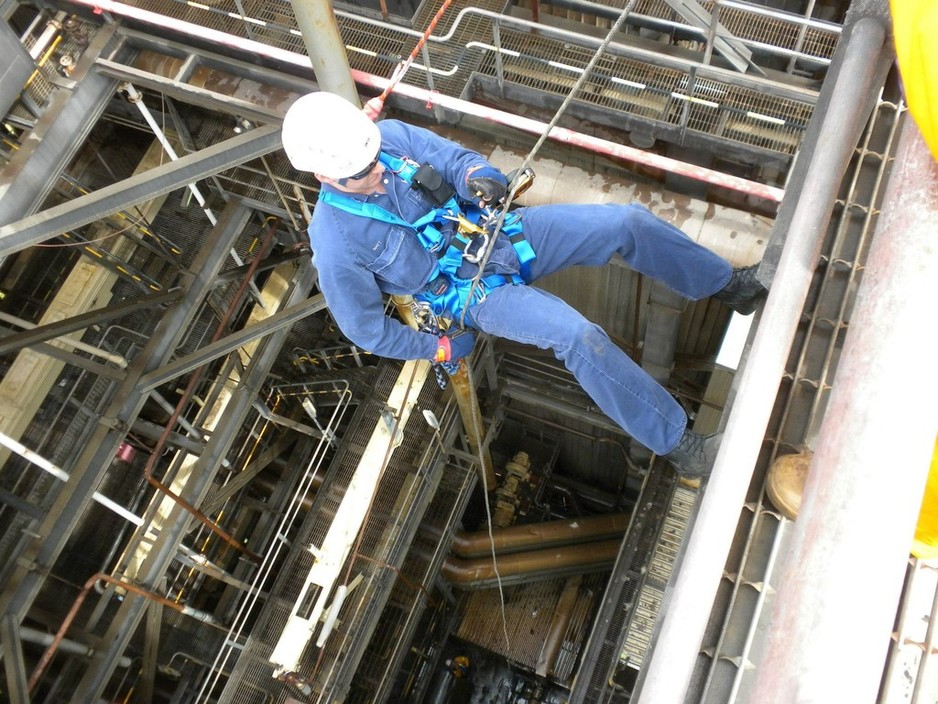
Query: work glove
(454, 345)
(487, 184)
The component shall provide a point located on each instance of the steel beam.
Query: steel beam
(76, 360)
(41, 333)
(146, 683)
(38, 556)
(35, 167)
(19, 66)
(325, 47)
(232, 342)
(679, 633)
(139, 188)
(14, 662)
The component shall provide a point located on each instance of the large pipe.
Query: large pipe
(681, 629)
(432, 98)
(325, 47)
(531, 564)
(520, 538)
(855, 518)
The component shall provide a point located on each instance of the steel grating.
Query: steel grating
(782, 30)
(413, 591)
(732, 645)
(641, 624)
(600, 676)
(659, 94)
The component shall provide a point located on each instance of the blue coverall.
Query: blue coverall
(358, 258)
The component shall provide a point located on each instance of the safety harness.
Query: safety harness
(447, 294)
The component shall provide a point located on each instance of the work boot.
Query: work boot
(743, 292)
(694, 454)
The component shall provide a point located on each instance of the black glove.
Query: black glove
(487, 184)
(454, 345)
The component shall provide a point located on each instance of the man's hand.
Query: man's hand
(487, 184)
(454, 345)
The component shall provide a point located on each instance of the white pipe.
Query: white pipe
(76, 344)
(31, 635)
(52, 28)
(137, 99)
(62, 475)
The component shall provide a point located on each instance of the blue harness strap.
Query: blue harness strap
(451, 299)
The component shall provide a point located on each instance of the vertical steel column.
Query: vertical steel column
(837, 601)
(680, 631)
(19, 66)
(13, 661)
(325, 47)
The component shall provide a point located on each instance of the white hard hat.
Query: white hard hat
(326, 134)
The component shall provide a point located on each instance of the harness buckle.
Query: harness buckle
(476, 257)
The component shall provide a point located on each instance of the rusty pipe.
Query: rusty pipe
(550, 534)
(533, 563)
(559, 622)
(80, 599)
(187, 394)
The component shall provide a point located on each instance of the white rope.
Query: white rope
(498, 226)
(498, 576)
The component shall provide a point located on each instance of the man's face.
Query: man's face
(369, 182)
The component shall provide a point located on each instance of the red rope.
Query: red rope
(374, 106)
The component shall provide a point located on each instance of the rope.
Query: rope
(374, 106)
(543, 138)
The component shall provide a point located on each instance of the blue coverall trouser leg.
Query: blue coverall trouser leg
(569, 235)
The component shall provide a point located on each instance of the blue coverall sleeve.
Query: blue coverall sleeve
(451, 160)
(355, 300)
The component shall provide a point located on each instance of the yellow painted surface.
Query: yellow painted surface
(32, 374)
(915, 25)
(925, 544)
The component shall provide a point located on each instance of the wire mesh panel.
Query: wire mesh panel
(370, 570)
(599, 679)
(668, 96)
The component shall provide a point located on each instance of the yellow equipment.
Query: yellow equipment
(925, 544)
(915, 25)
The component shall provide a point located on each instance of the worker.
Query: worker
(385, 224)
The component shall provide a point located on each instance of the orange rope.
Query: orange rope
(374, 106)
